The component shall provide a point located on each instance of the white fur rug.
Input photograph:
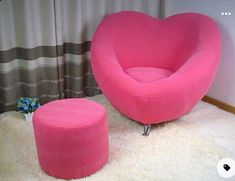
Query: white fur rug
(187, 149)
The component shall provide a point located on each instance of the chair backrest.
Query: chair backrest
(141, 40)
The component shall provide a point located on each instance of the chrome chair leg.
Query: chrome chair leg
(147, 128)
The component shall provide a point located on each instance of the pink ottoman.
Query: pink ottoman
(71, 137)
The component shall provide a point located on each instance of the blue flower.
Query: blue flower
(27, 104)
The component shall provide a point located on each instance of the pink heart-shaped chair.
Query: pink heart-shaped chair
(154, 70)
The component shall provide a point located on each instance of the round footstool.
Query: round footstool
(71, 137)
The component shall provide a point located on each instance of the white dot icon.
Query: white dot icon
(226, 13)
(226, 168)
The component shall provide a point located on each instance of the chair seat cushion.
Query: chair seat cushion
(148, 74)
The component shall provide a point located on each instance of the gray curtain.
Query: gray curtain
(44, 46)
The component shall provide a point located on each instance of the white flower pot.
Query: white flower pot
(28, 116)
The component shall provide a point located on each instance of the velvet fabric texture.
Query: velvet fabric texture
(154, 70)
(71, 137)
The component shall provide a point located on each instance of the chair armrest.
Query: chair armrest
(198, 73)
(108, 71)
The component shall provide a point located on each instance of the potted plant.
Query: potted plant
(28, 105)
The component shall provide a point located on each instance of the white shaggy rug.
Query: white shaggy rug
(187, 149)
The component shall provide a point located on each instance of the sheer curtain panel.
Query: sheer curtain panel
(45, 46)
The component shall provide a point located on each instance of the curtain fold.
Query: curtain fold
(45, 46)
(28, 63)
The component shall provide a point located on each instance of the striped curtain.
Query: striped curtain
(44, 46)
